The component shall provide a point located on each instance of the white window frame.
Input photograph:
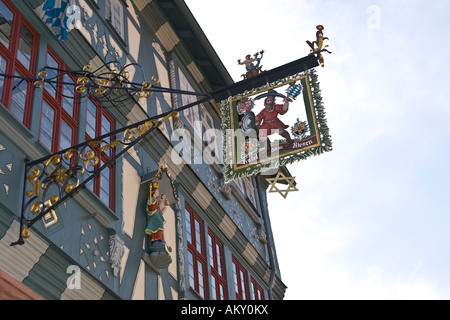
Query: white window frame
(115, 15)
(192, 114)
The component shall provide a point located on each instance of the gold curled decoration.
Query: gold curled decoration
(127, 135)
(34, 180)
(60, 175)
(41, 75)
(125, 75)
(70, 153)
(50, 215)
(94, 143)
(69, 188)
(111, 145)
(25, 233)
(146, 85)
(155, 79)
(90, 158)
(36, 207)
(56, 159)
(143, 128)
(100, 90)
(143, 94)
(81, 81)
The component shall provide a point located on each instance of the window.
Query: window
(192, 115)
(18, 50)
(240, 281)
(216, 260)
(196, 253)
(114, 14)
(98, 123)
(210, 135)
(58, 129)
(250, 190)
(257, 292)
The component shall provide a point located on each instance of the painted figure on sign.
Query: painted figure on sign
(268, 120)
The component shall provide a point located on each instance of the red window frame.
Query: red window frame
(56, 103)
(196, 253)
(217, 262)
(95, 185)
(14, 65)
(256, 290)
(240, 281)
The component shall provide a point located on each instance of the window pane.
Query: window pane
(104, 185)
(2, 70)
(222, 294)
(236, 285)
(68, 90)
(198, 238)
(51, 74)
(66, 136)
(244, 291)
(191, 270)
(219, 264)
(252, 291)
(211, 253)
(25, 45)
(90, 119)
(106, 125)
(213, 288)
(18, 98)
(188, 226)
(106, 128)
(6, 18)
(46, 132)
(201, 289)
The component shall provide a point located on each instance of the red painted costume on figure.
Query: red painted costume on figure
(271, 121)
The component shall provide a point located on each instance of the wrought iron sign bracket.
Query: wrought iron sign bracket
(61, 171)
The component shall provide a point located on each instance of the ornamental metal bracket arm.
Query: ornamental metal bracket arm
(61, 171)
(108, 83)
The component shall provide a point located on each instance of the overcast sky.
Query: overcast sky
(372, 217)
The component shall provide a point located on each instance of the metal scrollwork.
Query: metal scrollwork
(53, 179)
(105, 84)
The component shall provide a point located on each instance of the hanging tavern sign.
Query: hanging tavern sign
(278, 122)
(274, 125)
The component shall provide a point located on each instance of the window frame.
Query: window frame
(240, 276)
(110, 16)
(218, 274)
(197, 256)
(14, 65)
(57, 104)
(102, 155)
(256, 291)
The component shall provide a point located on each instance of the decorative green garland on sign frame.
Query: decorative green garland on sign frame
(319, 131)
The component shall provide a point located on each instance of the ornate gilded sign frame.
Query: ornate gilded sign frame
(244, 153)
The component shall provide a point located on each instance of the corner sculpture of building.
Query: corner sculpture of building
(106, 242)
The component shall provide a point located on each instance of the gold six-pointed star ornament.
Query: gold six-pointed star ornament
(279, 178)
